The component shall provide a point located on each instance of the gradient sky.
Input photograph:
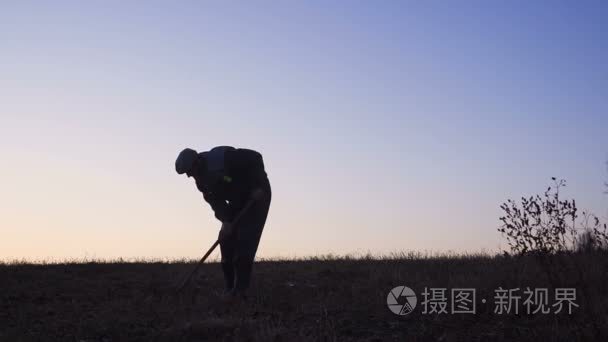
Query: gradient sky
(385, 126)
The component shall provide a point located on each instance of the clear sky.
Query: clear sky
(384, 126)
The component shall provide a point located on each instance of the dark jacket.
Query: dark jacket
(243, 171)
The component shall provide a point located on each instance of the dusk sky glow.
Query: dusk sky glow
(384, 126)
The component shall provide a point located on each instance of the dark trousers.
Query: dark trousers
(238, 250)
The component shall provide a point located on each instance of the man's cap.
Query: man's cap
(185, 160)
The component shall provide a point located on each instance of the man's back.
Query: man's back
(246, 164)
(242, 171)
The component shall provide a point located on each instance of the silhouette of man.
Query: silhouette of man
(229, 178)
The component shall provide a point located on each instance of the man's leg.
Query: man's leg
(244, 260)
(228, 248)
(248, 238)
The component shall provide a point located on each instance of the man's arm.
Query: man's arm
(221, 209)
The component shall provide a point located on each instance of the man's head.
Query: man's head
(187, 162)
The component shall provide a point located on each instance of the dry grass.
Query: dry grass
(327, 298)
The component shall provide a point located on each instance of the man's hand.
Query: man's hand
(225, 232)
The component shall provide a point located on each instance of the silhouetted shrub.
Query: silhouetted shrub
(548, 224)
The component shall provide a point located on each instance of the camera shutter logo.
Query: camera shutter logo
(401, 300)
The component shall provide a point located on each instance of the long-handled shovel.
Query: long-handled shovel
(217, 242)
